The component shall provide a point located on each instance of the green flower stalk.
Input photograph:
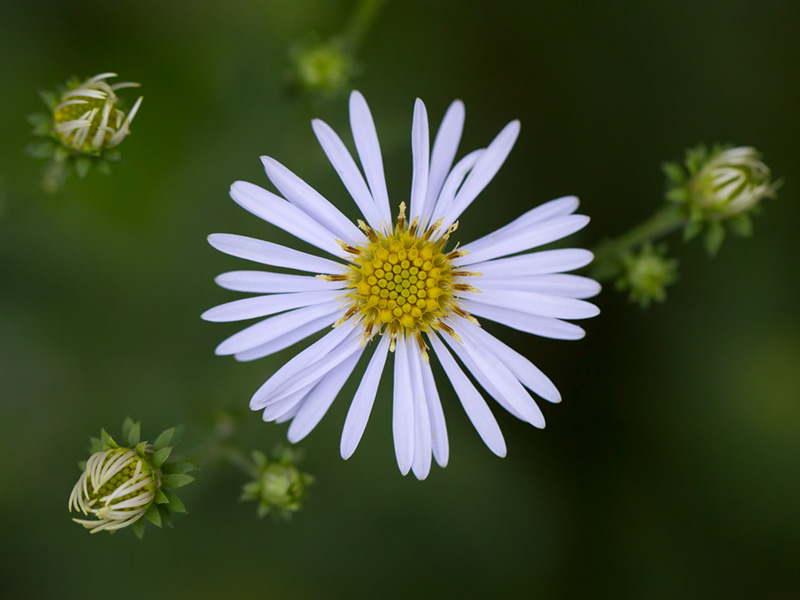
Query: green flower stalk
(121, 484)
(85, 125)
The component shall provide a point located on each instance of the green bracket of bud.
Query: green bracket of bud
(279, 486)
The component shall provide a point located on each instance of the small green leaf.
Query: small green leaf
(674, 172)
(131, 430)
(693, 227)
(166, 515)
(260, 459)
(113, 156)
(82, 465)
(103, 167)
(176, 480)
(49, 98)
(251, 490)
(160, 456)
(715, 234)
(161, 497)
(164, 438)
(180, 466)
(263, 510)
(95, 445)
(175, 503)
(108, 441)
(141, 449)
(40, 149)
(153, 515)
(82, 166)
(741, 224)
(138, 528)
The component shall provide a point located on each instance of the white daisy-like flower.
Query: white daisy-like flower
(401, 286)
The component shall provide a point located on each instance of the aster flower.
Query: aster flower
(401, 286)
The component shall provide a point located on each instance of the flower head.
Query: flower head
(121, 484)
(87, 118)
(399, 285)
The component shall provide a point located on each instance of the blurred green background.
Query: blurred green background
(672, 467)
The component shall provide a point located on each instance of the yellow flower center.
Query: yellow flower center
(403, 283)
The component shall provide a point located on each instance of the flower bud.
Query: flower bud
(279, 485)
(87, 118)
(647, 273)
(324, 68)
(121, 484)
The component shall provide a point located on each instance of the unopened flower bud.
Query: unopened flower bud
(87, 118)
(646, 274)
(322, 67)
(121, 484)
(279, 486)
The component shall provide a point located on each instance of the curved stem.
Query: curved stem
(609, 253)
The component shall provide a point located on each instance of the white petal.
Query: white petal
(261, 306)
(534, 304)
(262, 282)
(420, 153)
(278, 409)
(488, 369)
(289, 339)
(452, 184)
(543, 326)
(346, 167)
(524, 370)
(472, 401)
(549, 210)
(369, 151)
(361, 407)
(485, 169)
(274, 255)
(403, 408)
(317, 403)
(321, 368)
(274, 209)
(556, 284)
(289, 414)
(535, 235)
(299, 363)
(537, 263)
(444, 152)
(422, 424)
(311, 202)
(441, 447)
(274, 327)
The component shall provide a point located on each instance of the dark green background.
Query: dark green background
(671, 469)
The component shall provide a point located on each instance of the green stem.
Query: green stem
(361, 20)
(609, 253)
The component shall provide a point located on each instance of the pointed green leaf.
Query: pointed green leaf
(674, 172)
(131, 430)
(161, 497)
(260, 459)
(112, 156)
(175, 503)
(95, 445)
(176, 480)
(138, 528)
(181, 466)
(263, 510)
(164, 439)
(82, 465)
(108, 441)
(153, 515)
(49, 98)
(741, 224)
(160, 456)
(103, 167)
(43, 149)
(166, 515)
(715, 234)
(82, 166)
(141, 449)
(693, 227)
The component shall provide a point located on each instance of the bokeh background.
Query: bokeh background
(672, 467)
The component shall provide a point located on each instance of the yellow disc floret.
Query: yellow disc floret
(403, 283)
